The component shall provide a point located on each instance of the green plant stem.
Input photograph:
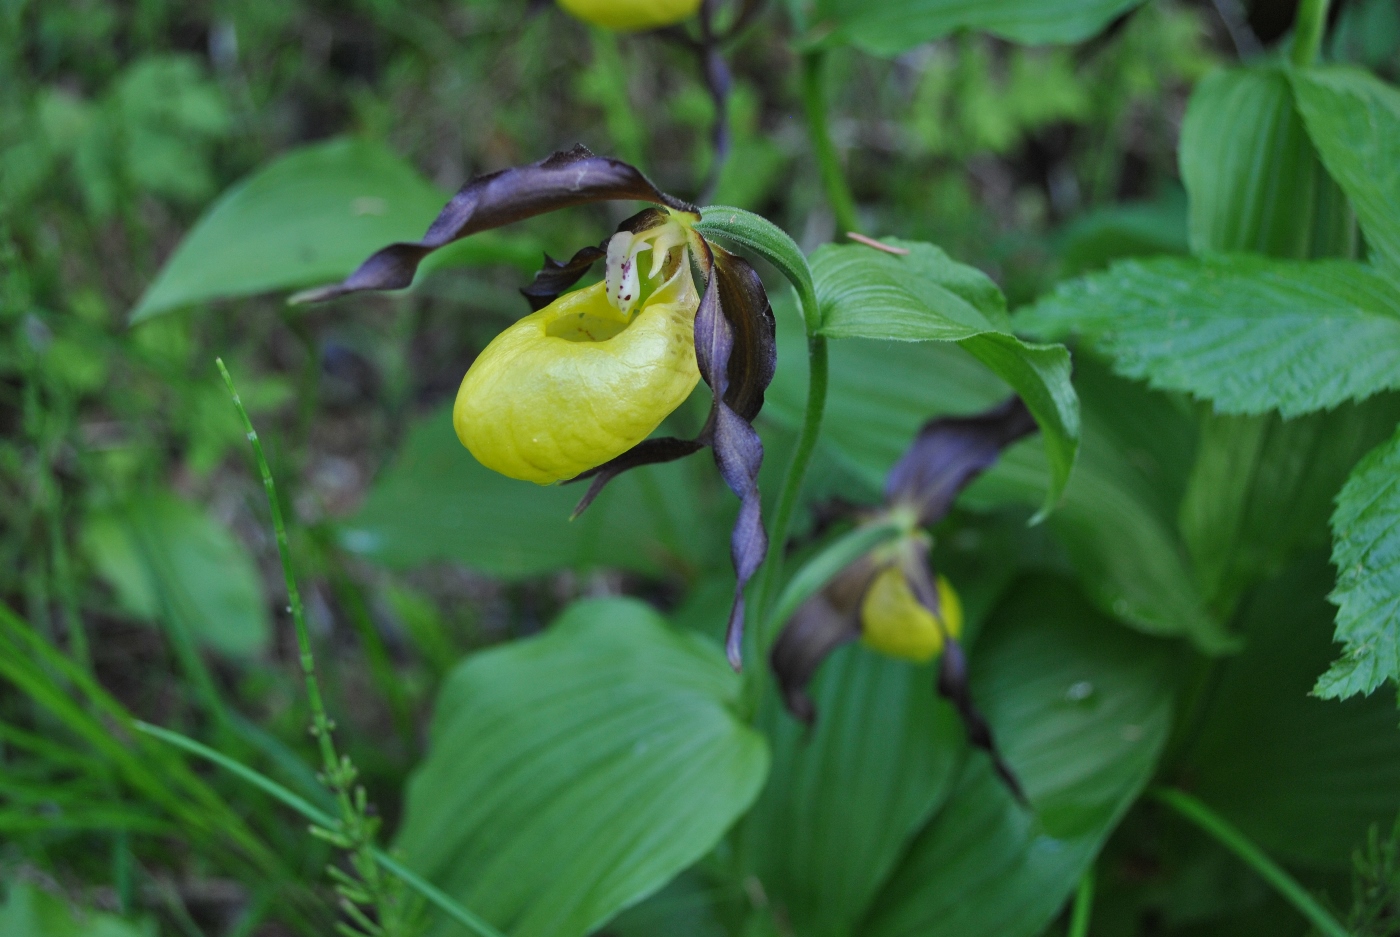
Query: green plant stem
(838, 193)
(1307, 31)
(321, 724)
(1083, 905)
(270, 787)
(1208, 820)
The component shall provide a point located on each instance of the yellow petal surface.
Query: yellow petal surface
(569, 387)
(893, 622)
(629, 15)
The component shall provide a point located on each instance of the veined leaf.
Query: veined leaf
(1366, 552)
(1080, 709)
(1303, 777)
(1354, 119)
(572, 774)
(167, 558)
(894, 26)
(1247, 333)
(1118, 518)
(1252, 177)
(924, 295)
(311, 217)
(844, 798)
(436, 502)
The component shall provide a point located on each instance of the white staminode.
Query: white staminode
(623, 278)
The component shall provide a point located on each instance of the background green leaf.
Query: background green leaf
(1366, 552)
(1263, 488)
(895, 26)
(436, 502)
(1252, 177)
(1247, 333)
(1302, 777)
(310, 217)
(844, 798)
(165, 557)
(29, 912)
(926, 296)
(1080, 709)
(1354, 119)
(1118, 518)
(572, 774)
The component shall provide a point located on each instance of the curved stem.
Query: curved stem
(1288, 887)
(792, 480)
(838, 193)
(1307, 31)
(1083, 905)
(717, 81)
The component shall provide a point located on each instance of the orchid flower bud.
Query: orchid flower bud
(894, 622)
(631, 15)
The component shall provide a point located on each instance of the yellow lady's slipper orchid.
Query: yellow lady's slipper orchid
(581, 381)
(894, 622)
(631, 15)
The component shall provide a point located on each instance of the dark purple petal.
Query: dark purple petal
(950, 452)
(555, 277)
(738, 454)
(754, 352)
(953, 684)
(562, 180)
(826, 621)
(646, 452)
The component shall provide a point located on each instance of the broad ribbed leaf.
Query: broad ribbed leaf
(1303, 777)
(924, 295)
(844, 798)
(1252, 177)
(1118, 518)
(308, 217)
(1354, 119)
(572, 774)
(894, 26)
(1247, 333)
(1080, 709)
(167, 559)
(436, 502)
(1263, 488)
(1366, 552)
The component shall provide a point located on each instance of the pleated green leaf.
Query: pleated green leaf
(1302, 777)
(1354, 120)
(844, 799)
(923, 295)
(310, 217)
(1080, 709)
(894, 26)
(1247, 333)
(1252, 177)
(1366, 552)
(436, 502)
(572, 774)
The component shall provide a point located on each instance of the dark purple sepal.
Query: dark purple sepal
(825, 622)
(555, 277)
(953, 684)
(562, 180)
(949, 453)
(753, 356)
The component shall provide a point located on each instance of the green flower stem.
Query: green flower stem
(838, 193)
(270, 787)
(321, 725)
(1307, 31)
(1083, 905)
(1208, 820)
